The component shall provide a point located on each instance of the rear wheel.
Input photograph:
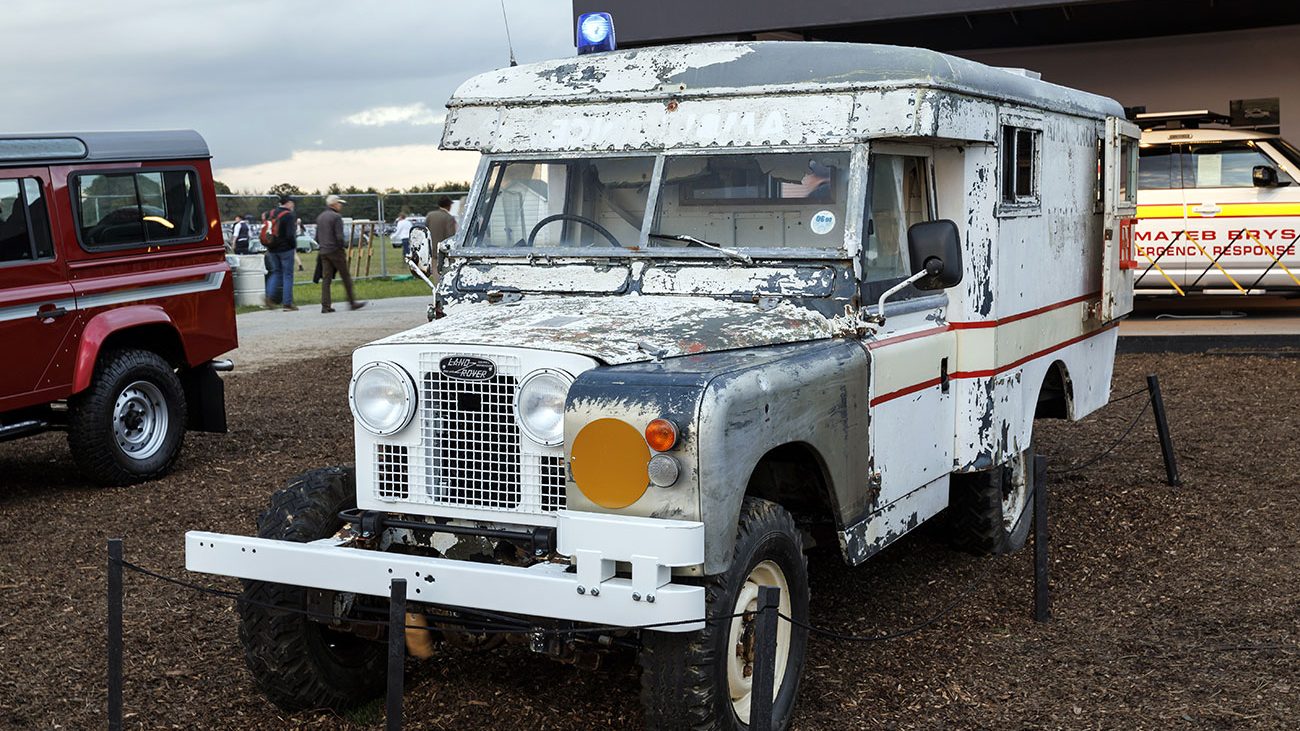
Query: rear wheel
(300, 663)
(704, 679)
(988, 511)
(129, 425)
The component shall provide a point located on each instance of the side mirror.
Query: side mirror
(422, 253)
(934, 249)
(1264, 176)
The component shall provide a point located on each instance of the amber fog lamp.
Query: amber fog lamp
(661, 435)
(609, 462)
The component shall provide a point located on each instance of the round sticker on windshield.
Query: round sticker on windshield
(823, 222)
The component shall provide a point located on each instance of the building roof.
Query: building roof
(82, 147)
(941, 24)
(754, 68)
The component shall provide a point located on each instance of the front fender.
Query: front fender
(732, 408)
(813, 393)
(101, 327)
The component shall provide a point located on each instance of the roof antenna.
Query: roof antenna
(509, 44)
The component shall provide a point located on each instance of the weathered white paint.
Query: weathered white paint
(613, 329)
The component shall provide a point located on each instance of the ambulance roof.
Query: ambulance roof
(764, 67)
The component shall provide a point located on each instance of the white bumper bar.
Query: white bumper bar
(591, 594)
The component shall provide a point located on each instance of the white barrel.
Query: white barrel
(250, 279)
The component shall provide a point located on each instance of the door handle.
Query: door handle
(51, 313)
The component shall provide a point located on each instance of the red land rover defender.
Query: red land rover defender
(115, 296)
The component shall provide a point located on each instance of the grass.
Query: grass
(384, 260)
(398, 281)
(306, 293)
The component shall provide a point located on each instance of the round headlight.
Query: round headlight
(539, 405)
(382, 398)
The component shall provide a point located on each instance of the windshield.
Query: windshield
(1287, 149)
(765, 200)
(562, 203)
(716, 201)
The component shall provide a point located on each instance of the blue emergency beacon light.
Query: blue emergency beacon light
(595, 33)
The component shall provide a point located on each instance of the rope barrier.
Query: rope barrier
(575, 631)
(1129, 430)
(530, 631)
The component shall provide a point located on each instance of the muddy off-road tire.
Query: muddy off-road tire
(129, 425)
(695, 680)
(297, 662)
(988, 512)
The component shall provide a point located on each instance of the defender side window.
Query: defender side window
(899, 198)
(1020, 166)
(122, 209)
(24, 222)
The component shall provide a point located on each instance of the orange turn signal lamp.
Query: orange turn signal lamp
(661, 435)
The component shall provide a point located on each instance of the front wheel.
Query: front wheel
(128, 426)
(300, 663)
(704, 679)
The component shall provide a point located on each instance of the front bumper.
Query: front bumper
(592, 593)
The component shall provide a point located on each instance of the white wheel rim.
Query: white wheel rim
(740, 640)
(1014, 501)
(140, 420)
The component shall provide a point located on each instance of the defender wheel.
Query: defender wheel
(989, 511)
(703, 679)
(130, 424)
(297, 662)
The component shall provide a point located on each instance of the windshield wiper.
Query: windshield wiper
(706, 244)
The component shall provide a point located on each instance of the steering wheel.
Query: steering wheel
(532, 235)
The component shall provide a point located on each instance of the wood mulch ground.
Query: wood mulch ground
(1174, 608)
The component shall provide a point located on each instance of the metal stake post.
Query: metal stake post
(1042, 596)
(115, 634)
(396, 653)
(1162, 429)
(760, 704)
(383, 223)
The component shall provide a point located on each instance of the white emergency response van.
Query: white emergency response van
(1218, 208)
(710, 304)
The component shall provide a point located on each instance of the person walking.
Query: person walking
(333, 254)
(440, 222)
(280, 254)
(402, 234)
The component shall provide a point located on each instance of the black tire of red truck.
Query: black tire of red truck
(129, 425)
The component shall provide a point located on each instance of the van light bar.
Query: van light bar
(595, 33)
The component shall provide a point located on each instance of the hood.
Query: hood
(624, 329)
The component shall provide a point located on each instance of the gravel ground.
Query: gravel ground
(275, 337)
(1174, 608)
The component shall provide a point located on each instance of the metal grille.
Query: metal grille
(547, 472)
(473, 442)
(392, 472)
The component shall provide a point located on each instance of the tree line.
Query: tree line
(364, 205)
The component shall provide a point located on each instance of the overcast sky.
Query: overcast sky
(283, 90)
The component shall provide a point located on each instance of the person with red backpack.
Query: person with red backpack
(279, 235)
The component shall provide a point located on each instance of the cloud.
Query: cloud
(414, 114)
(397, 166)
(260, 79)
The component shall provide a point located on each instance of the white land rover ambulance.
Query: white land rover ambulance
(1218, 208)
(711, 304)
